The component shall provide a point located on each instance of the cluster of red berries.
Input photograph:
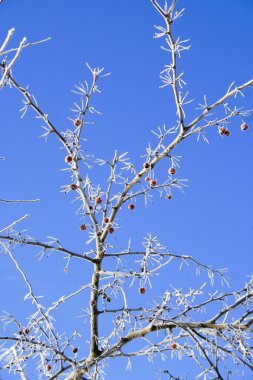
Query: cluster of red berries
(152, 182)
(111, 230)
(106, 297)
(224, 132)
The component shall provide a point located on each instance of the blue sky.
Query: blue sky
(212, 220)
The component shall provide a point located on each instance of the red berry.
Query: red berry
(26, 331)
(244, 127)
(111, 230)
(98, 200)
(106, 220)
(68, 159)
(74, 350)
(173, 346)
(131, 206)
(227, 132)
(48, 367)
(73, 186)
(83, 227)
(168, 196)
(147, 179)
(153, 182)
(77, 122)
(93, 302)
(222, 131)
(146, 165)
(142, 290)
(108, 299)
(172, 171)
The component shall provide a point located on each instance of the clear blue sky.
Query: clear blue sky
(212, 220)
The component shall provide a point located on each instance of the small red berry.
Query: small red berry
(68, 159)
(168, 196)
(74, 350)
(26, 331)
(77, 122)
(93, 302)
(111, 230)
(48, 367)
(147, 179)
(142, 290)
(108, 299)
(106, 220)
(73, 186)
(98, 200)
(227, 132)
(222, 131)
(172, 171)
(83, 227)
(146, 165)
(153, 182)
(173, 346)
(244, 127)
(131, 206)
